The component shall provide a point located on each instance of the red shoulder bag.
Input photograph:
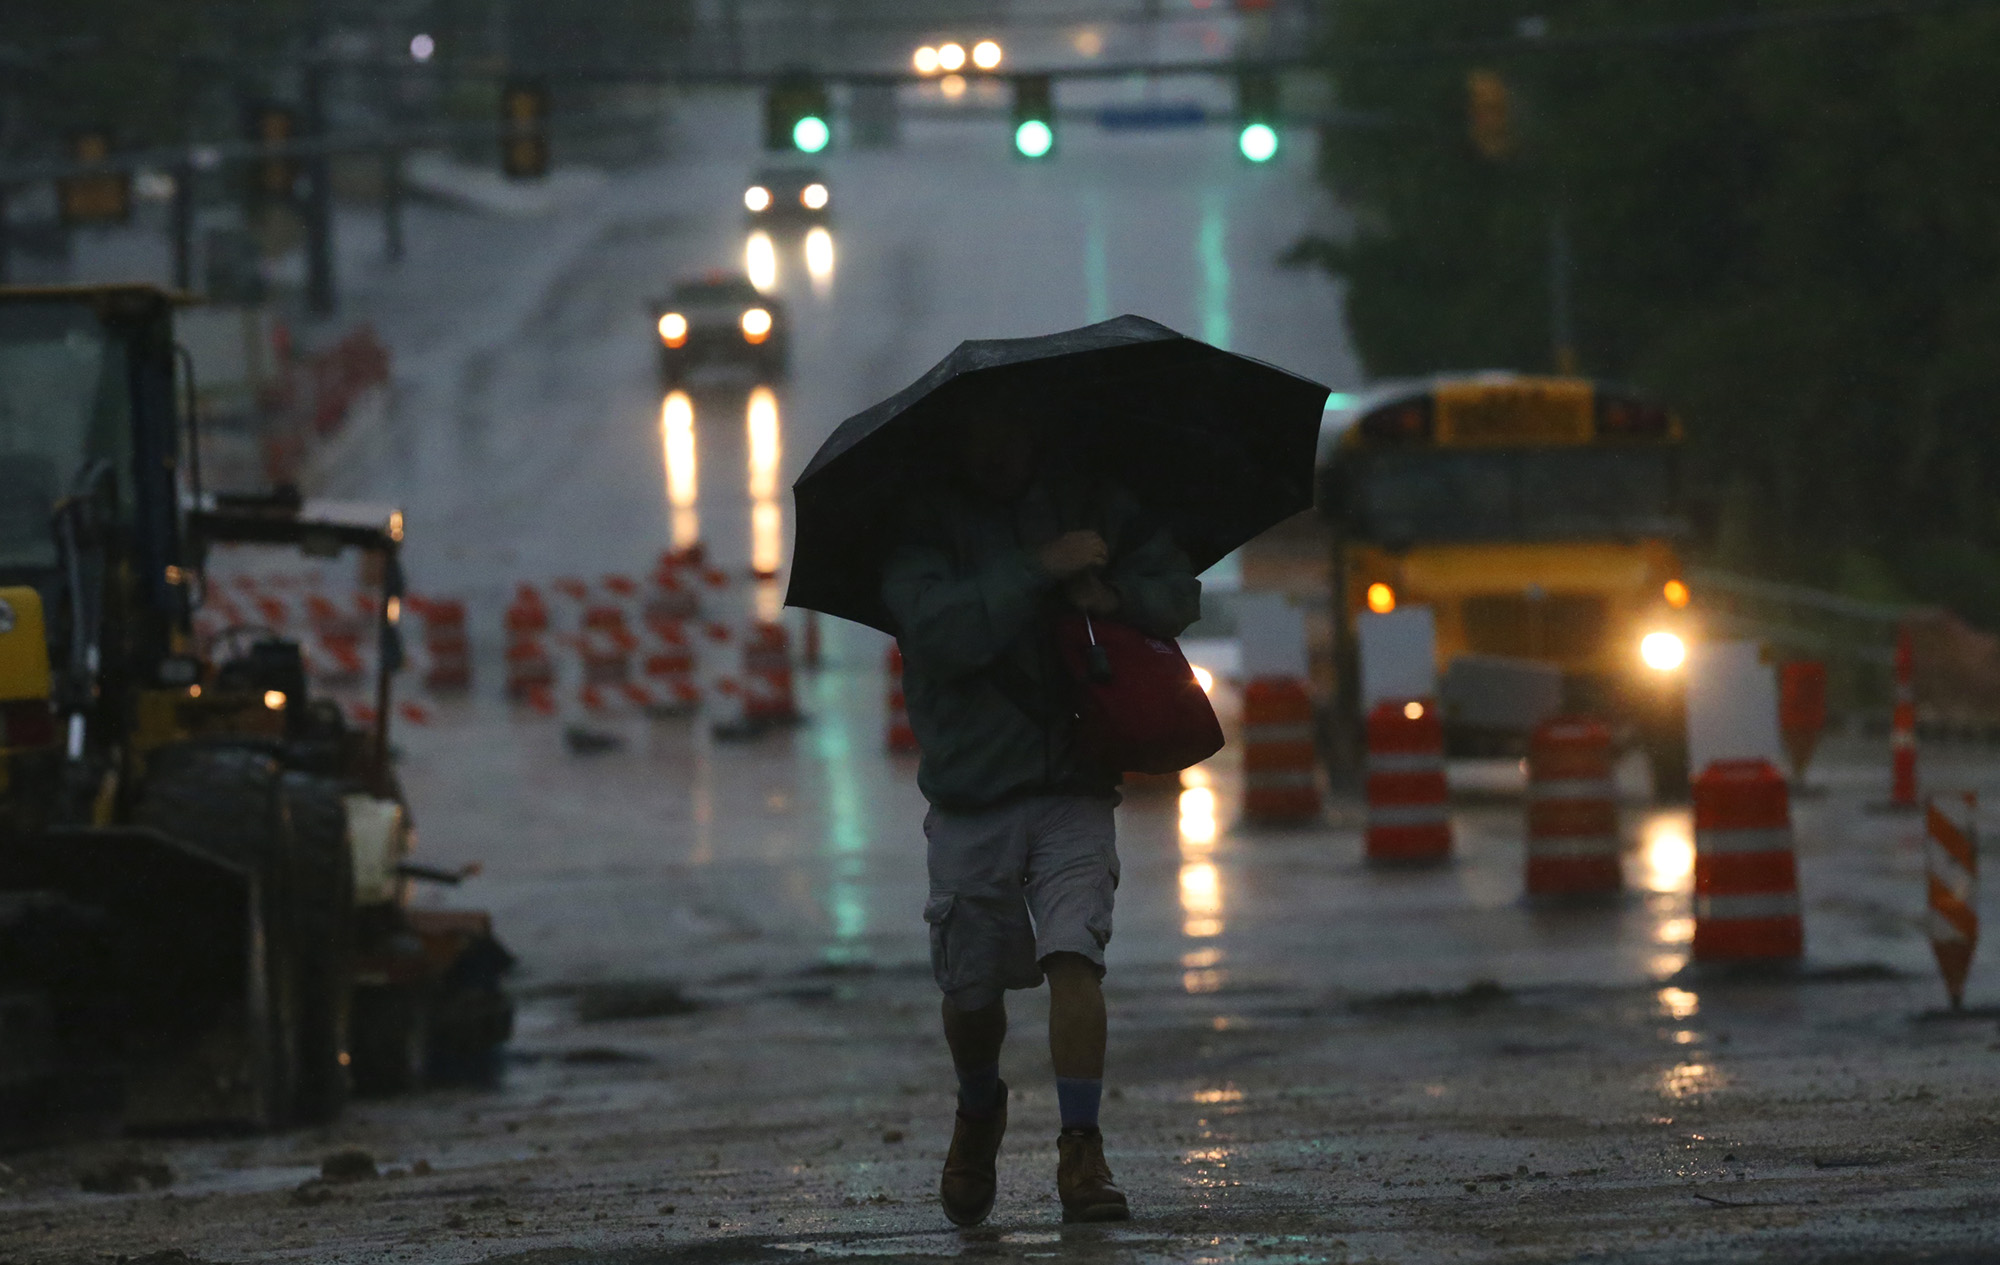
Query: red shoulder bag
(1139, 708)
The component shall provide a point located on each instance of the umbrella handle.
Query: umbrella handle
(1095, 658)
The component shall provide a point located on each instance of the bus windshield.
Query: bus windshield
(63, 404)
(1515, 494)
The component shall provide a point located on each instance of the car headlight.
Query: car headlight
(813, 197)
(1662, 651)
(756, 325)
(673, 329)
(757, 198)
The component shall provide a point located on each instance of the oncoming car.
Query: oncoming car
(787, 197)
(719, 320)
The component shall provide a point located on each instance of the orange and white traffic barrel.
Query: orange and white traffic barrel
(1746, 889)
(901, 738)
(606, 645)
(767, 670)
(446, 646)
(1951, 866)
(1572, 809)
(526, 613)
(529, 667)
(1903, 726)
(1409, 819)
(1280, 762)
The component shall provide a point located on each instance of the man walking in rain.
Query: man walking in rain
(1023, 861)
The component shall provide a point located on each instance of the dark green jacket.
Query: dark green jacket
(990, 703)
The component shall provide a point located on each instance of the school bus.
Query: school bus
(1539, 520)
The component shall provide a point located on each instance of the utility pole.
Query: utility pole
(180, 224)
(1562, 317)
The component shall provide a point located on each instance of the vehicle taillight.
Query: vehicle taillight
(28, 723)
(1622, 417)
(1408, 422)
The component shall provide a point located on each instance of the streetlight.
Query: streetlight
(986, 54)
(951, 57)
(925, 60)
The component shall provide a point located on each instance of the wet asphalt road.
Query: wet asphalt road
(727, 1048)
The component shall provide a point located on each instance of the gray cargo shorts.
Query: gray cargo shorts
(1012, 885)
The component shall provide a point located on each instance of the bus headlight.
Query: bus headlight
(1663, 651)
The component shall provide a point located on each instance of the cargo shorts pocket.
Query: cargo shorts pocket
(937, 913)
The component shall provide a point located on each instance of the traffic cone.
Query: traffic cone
(1572, 809)
(902, 738)
(1903, 727)
(1746, 891)
(1280, 763)
(1409, 818)
(1951, 862)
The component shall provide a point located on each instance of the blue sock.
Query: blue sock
(1077, 1099)
(979, 1091)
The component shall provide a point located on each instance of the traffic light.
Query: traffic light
(524, 129)
(1489, 114)
(98, 197)
(1257, 115)
(797, 115)
(1034, 116)
(274, 175)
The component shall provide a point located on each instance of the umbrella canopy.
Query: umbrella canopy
(1217, 446)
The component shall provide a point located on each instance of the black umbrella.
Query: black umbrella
(1218, 446)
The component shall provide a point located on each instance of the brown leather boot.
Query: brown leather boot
(1083, 1179)
(966, 1189)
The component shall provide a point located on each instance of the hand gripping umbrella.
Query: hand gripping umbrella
(1218, 447)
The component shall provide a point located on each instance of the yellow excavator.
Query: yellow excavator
(205, 916)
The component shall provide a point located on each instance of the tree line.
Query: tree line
(1782, 217)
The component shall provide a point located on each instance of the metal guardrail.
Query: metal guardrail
(1798, 618)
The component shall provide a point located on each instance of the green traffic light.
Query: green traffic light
(1259, 142)
(810, 134)
(1034, 139)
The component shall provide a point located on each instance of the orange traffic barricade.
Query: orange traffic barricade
(1409, 818)
(1746, 891)
(1572, 809)
(1280, 763)
(1951, 871)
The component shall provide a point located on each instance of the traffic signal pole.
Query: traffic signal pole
(392, 204)
(319, 209)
